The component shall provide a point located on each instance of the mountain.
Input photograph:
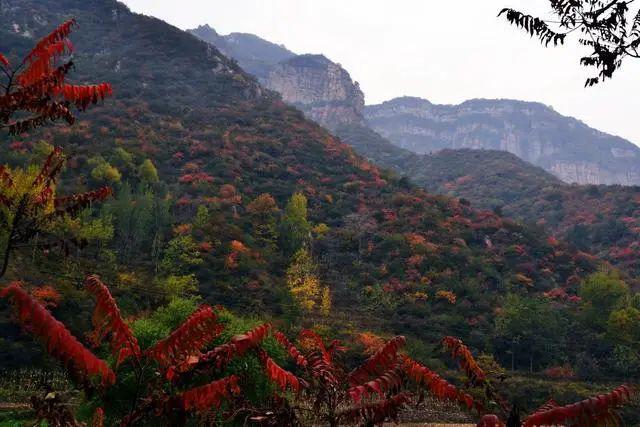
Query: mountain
(322, 89)
(564, 146)
(254, 55)
(603, 220)
(395, 258)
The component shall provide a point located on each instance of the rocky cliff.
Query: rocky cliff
(322, 89)
(534, 132)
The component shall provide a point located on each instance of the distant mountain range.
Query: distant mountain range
(325, 92)
(564, 146)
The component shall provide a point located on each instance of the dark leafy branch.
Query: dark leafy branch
(610, 29)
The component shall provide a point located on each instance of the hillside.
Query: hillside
(564, 146)
(255, 55)
(596, 218)
(395, 258)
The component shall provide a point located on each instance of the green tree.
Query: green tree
(103, 171)
(178, 286)
(148, 172)
(623, 326)
(530, 331)
(180, 255)
(202, 217)
(295, 228)
(601, 293)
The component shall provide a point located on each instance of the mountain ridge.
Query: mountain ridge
(563, 145)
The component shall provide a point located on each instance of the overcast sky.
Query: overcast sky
(444, 51)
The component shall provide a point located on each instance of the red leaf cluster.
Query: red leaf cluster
(98, 418)
(379, 361)
(47, 296)
(40, 88)
(278, 375)
(490, 420)
(76, 202)
(291, 349)
(316, 342)
(597, 409)
(187, 340)
(320, 358)
(467, 362)
(195, 178)
(377, 412)
(391, 379)
(438, 386)
(82, 96)
(59, 341)
(108, 321)
(239, 345)
(209, 396)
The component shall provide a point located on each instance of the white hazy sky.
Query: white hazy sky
(442, 50)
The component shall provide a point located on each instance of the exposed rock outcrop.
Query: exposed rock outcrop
(322, 89)
(534, 132)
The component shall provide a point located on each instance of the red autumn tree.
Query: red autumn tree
(36, 90)
(323, 392)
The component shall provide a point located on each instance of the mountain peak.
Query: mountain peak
(205, 31)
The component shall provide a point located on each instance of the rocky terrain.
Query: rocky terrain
(322, 89)
(534, 132)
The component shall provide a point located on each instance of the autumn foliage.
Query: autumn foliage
(30, 206)
(36, 89)
(209, 396)
(108, 321)
(465, 359)
(598, 410)
(80, 361)
(374, 392)
(182, 348)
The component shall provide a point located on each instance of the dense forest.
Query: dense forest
(223, 222)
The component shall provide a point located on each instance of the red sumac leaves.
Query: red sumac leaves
(108, 321)
(438, 386)
(386, 356)
(187, 340)
(209, 396)
(597, 409)
(57, 338)
(291, 349)
(283, 378)
(466, 361)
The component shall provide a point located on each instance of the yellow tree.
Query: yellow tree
(303, 282)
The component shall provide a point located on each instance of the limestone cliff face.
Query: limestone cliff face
(534, 132)
(322, 89)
